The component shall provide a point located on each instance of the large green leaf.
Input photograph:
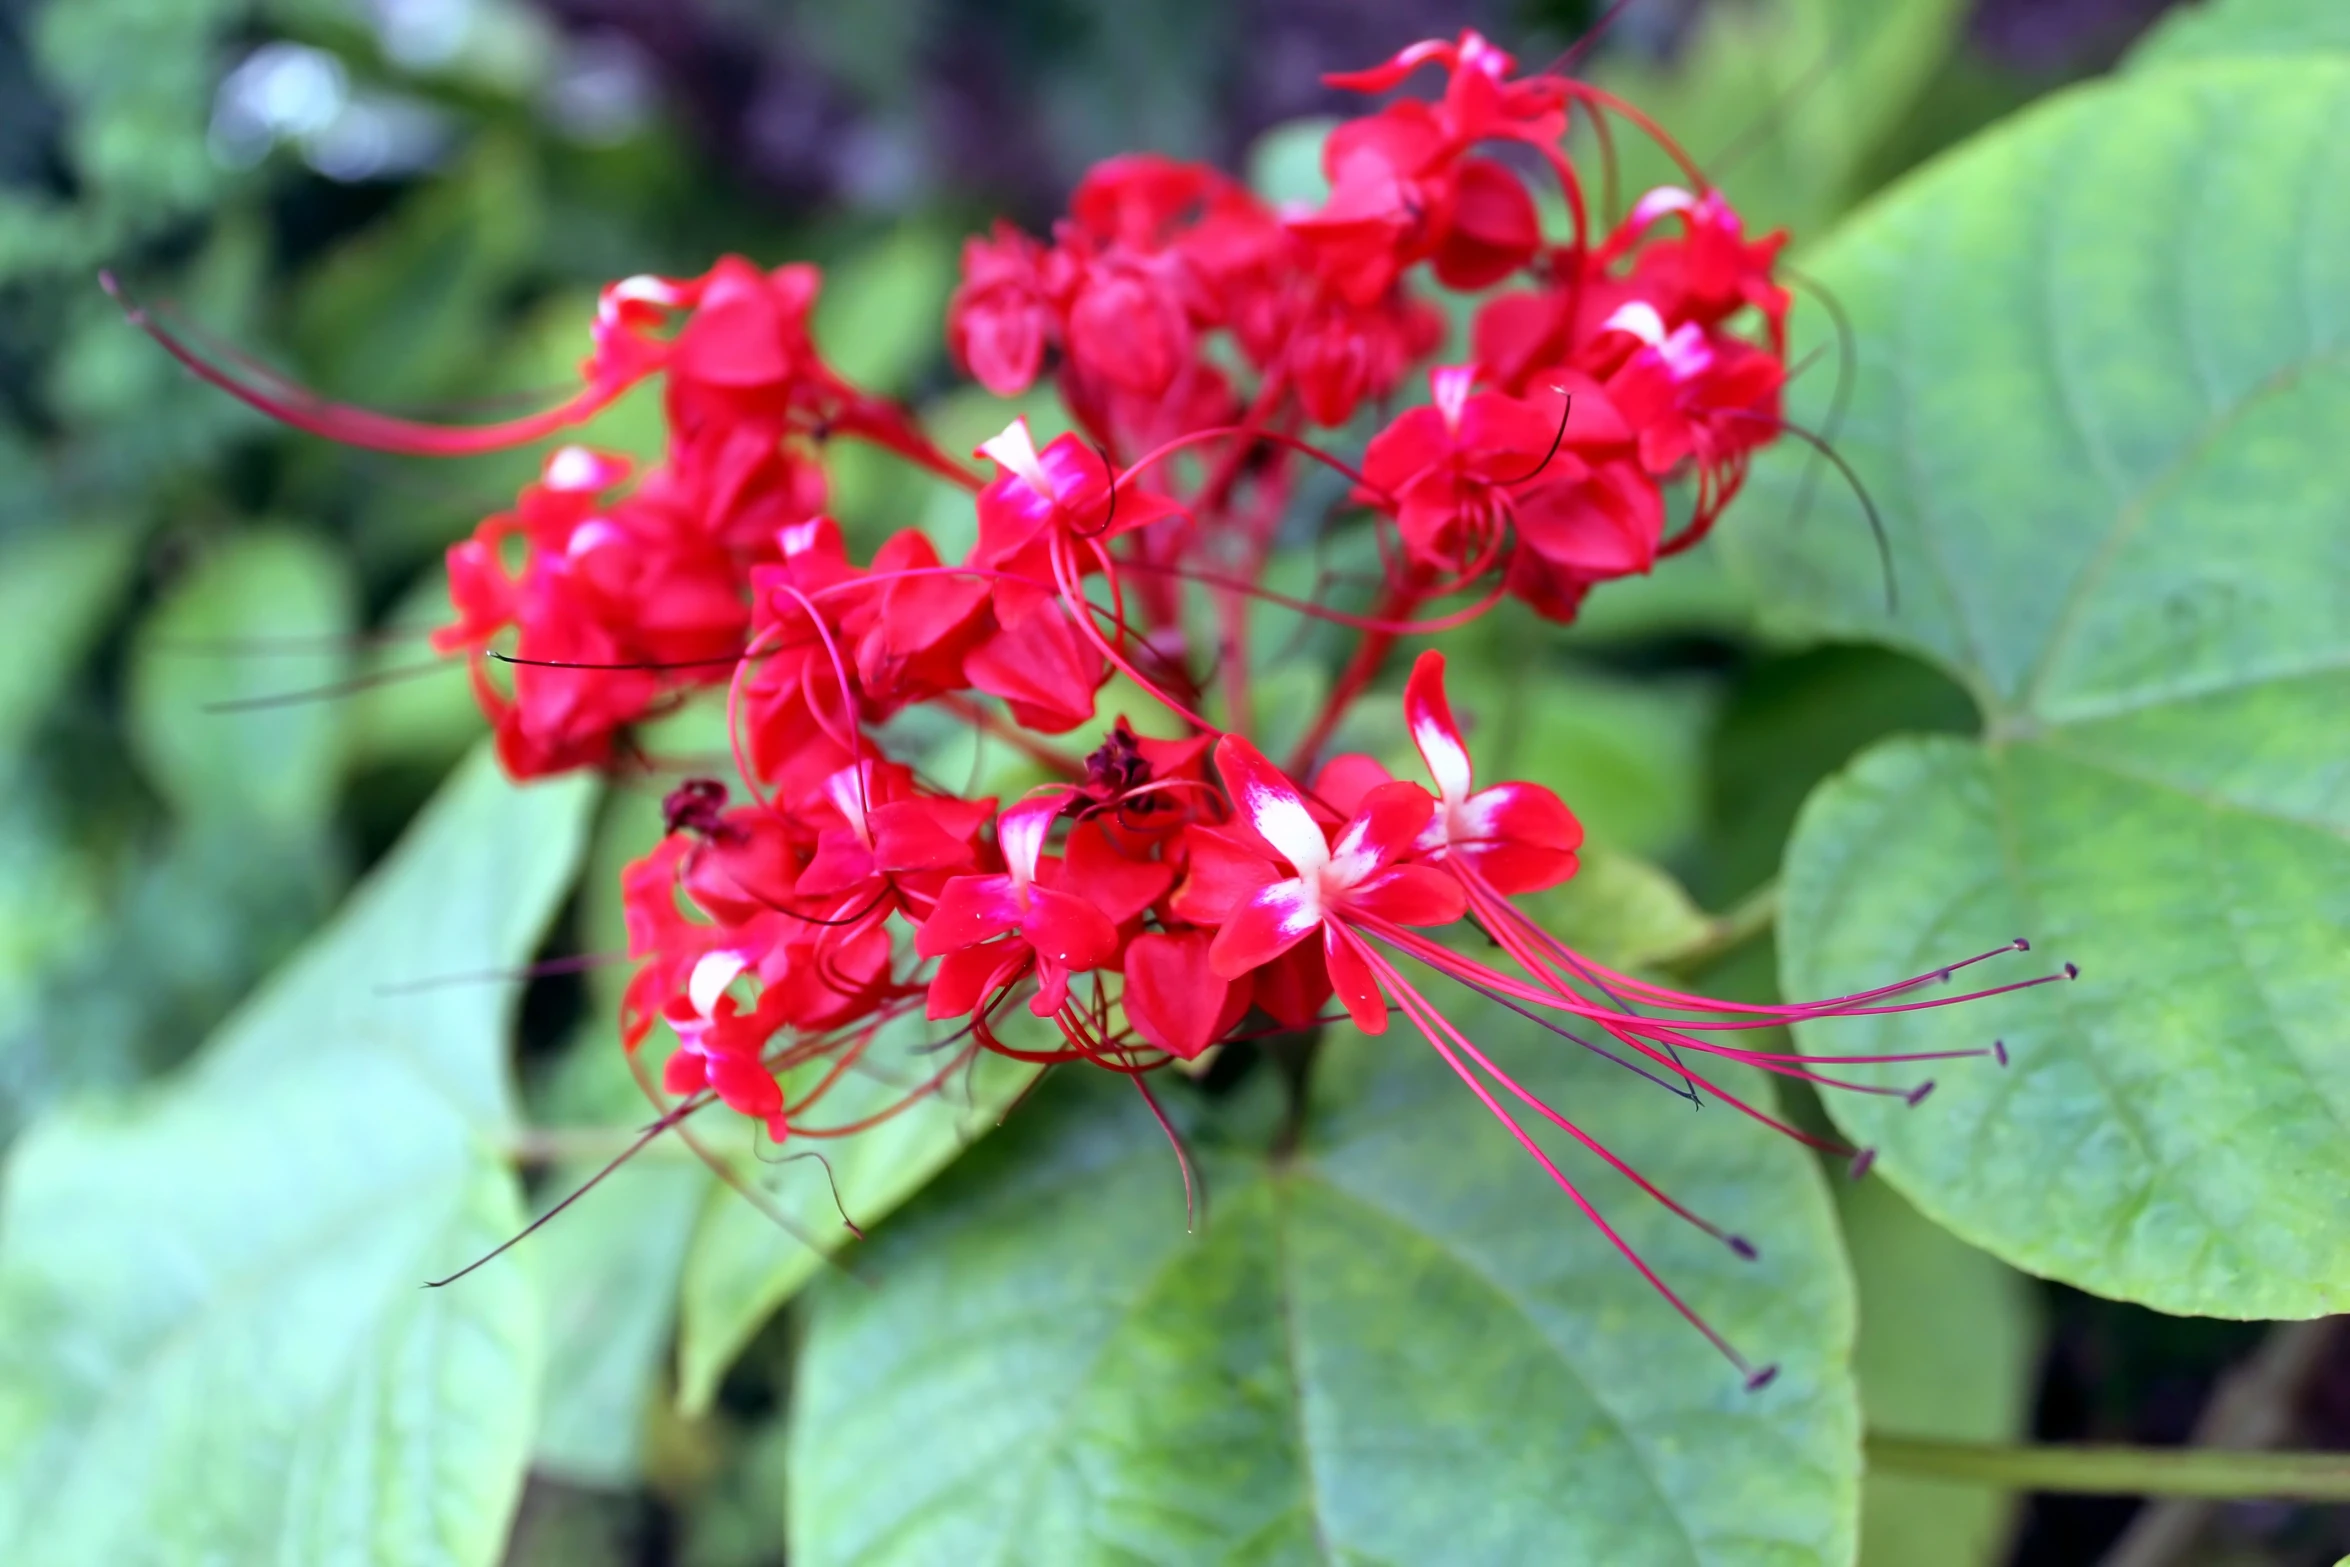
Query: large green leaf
(2225, 29)
(609, 1265)
(212, 1343)
(1399, 1344)
(262, 615)
(1780, 101)
(1949, 1347)
(2102, 397)
(741, 1265)
(56, 588)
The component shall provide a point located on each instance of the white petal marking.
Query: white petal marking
(1447, 758)
(711, 976)
(1285, 823)
(1641, 320)
(1015, 452)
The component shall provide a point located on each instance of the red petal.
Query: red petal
(1293, 986)
(683, 1072)
(967, 976)
(1119, 886)
(1218, 875)
(1410, 895)
(970, 909)
(1520, 836)
(914, 835)
(1394, 69)
(1276, 919)
(1052, 988)
(1042, 671)
(745, 1084)
(1066, 929)
(1351, 978)
(1344, 780)
(1384, 827)
(1175, 999)
(1495, 229)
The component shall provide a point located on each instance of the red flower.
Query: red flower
(1357, 877)
(1403, 188)
(1519, 837)
(1000, 321)
(991, 930)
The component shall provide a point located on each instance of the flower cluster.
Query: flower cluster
(1160, 896)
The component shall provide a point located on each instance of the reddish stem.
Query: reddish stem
(1369, 654)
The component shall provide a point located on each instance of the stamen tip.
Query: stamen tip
(1742, 1246)
(1917, 1095)
(2022, 944)
(1861, 1163)
(2072, 971)
(1762, 1379)
(1999, 1051)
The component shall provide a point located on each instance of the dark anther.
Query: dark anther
(1762, 1379)
(2021, 945)
(1861, 1161)
(697, 805)
(1117, 767)
(1917, 1095)
(1999, 1051)
(2072, 971)
(1742, 1246)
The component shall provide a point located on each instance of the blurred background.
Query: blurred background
(409, 203)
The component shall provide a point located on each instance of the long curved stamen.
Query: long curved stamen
(1216, 432)
(1423, 1017)
(1175, 1141)
(1077, 607)
(305, 411)
(1844, 469)
(329, 692)
(669, 1119)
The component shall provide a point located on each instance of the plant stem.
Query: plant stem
(2121, 1471)
(1360, 671)
(2251, 1409)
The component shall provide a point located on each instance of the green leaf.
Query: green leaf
(1285, 163)
(1781, 101)
(402, 311)
(1625, 755)
(56, 589)
(1949, 1347)
(741, 1266)
(2102, 393)
(262, 614)
(610, 1269)
(1399, 1344)
(1791, 721)
(877, 320)
(611, 1264)
(212, 1343)
(1622, 911)
(2235, 29)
